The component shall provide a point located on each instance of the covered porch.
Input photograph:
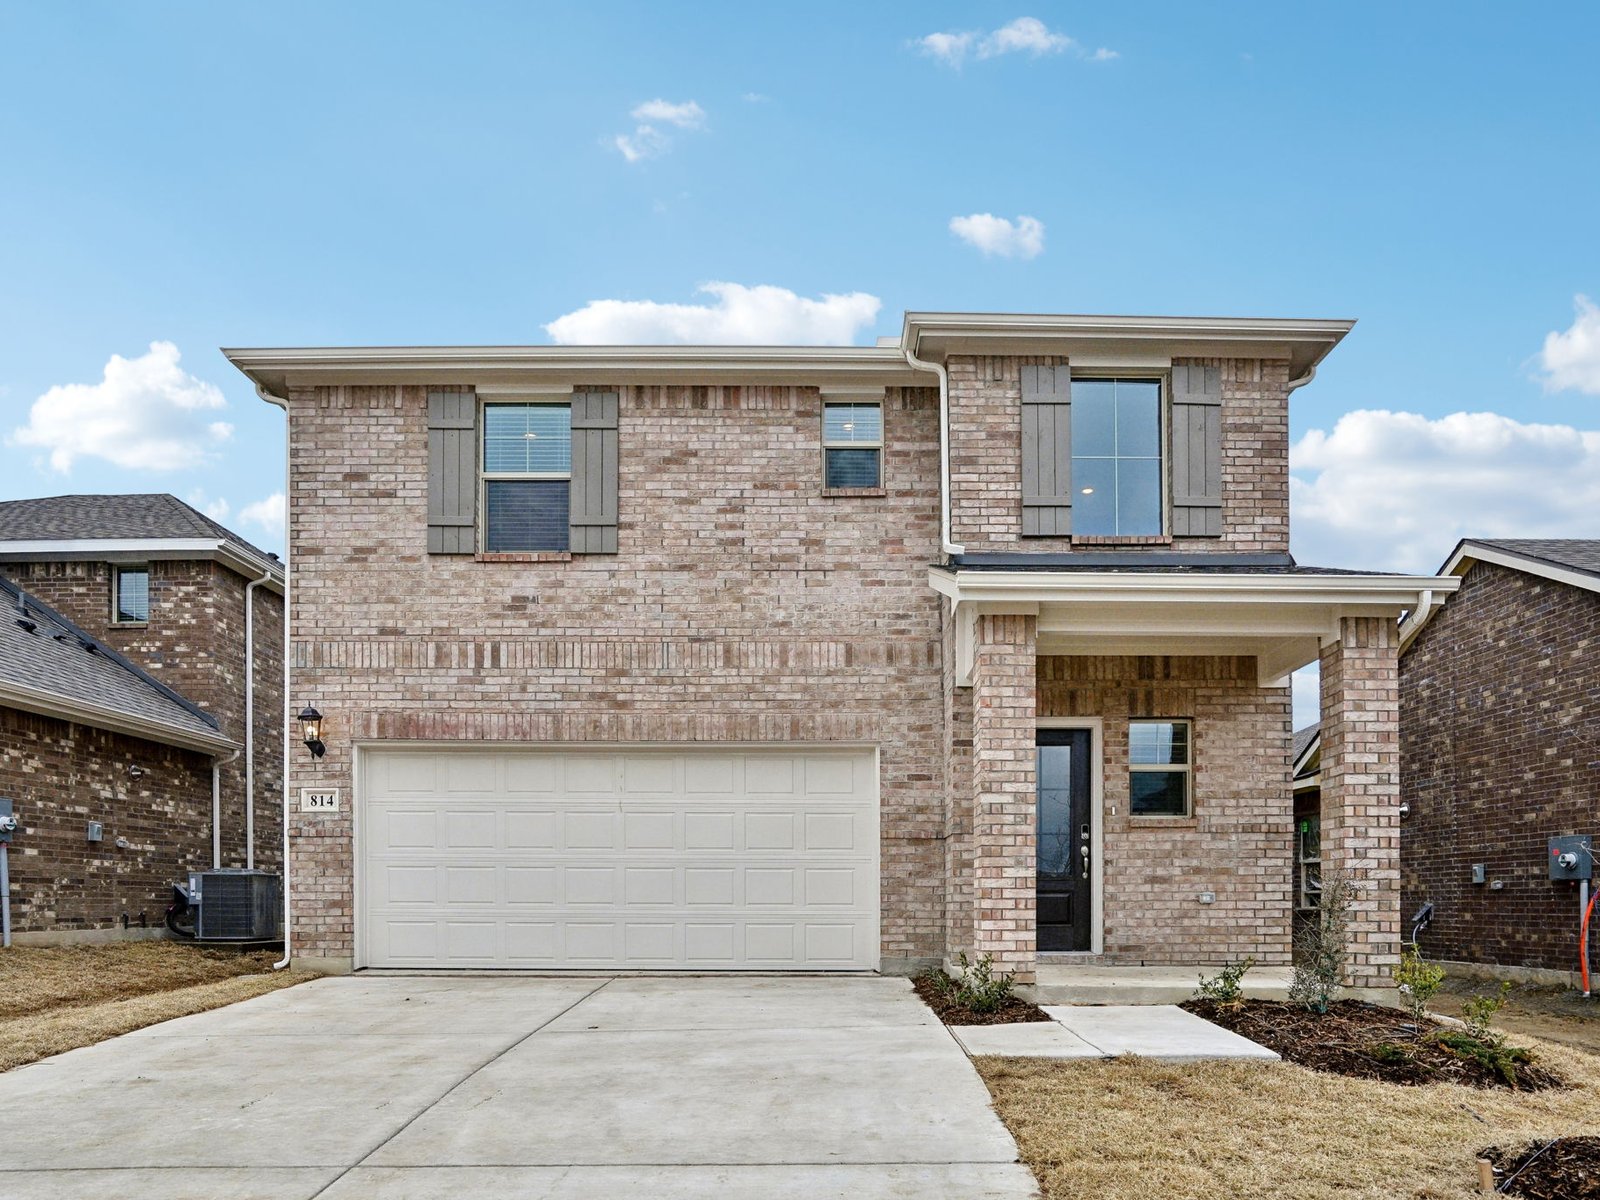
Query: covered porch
(1123, 818)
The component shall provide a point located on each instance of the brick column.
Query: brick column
(1003, 770)
(1361, 788)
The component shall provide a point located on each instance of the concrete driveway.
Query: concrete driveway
(420, 1087)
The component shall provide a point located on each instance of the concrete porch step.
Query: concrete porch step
(1071, 983)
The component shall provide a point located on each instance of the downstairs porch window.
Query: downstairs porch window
(1159, 769)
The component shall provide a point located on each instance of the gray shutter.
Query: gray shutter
(1046, 451)
(1196, 451)
(594, 473)
(452, 471)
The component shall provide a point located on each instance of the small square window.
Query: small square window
(527, 477)
(1159, 769)
(852, 445)
(132, 601)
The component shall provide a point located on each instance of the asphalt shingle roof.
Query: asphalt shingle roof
(58, 658)
(1302, 739)
(144, 515)
(1576, 554)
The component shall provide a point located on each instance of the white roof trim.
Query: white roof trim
(1400, 592)
(82, 712)
(138, 550)
(1469, 552)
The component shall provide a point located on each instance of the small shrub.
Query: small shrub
(1480, 1010)
(978, 988)
(1224, 987)
(1419, 981)
(1388, 1052)
(1320, 946)
(1492, 1053)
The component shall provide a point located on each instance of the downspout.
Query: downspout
(250, 718)
(917, 364)
(280, 402)
(1311, 373)
(216, 807)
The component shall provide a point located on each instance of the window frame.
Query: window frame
(118, 570)
(1186, 768)
(486, 476)
(833, 444)
(1162, 378)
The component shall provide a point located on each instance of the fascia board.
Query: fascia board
(99, 717)
(1469, 552)
(1398, 591)
(141, 550)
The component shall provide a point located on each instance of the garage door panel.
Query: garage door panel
(695, 859)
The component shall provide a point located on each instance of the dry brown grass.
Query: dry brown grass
(56, 998)
(1129, 1129)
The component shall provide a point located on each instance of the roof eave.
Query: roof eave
(1399, 591)
(230, 554)
(65, 708)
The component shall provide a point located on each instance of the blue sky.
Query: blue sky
(203, 174)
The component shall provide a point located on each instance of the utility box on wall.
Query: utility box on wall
(1571, 857)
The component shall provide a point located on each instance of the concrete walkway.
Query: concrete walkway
(1161, 1031)
(419, 1087)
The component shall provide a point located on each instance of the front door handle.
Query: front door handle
(1083, 850)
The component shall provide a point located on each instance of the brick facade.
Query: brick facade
(62, 776)
(986, 457)
(194, 643)
(1498, 699)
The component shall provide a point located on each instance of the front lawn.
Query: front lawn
(56, 998)
(1129, 1129)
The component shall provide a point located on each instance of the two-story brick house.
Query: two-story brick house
(191, 616)
(839, 658)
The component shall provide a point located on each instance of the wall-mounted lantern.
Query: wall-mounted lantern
(311, 731)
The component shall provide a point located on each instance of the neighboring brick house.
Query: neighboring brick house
(1499, 695)
(843, 658)
(186, 603)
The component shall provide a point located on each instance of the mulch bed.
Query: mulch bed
(1364, 1041)
(1567, 1169)
(1014, 1011)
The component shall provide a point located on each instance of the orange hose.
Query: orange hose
(1583, 940)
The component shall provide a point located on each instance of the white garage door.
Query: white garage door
(637, 859)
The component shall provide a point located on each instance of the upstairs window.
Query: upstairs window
(1116, 457)
(1159, 769)
(527, 477)
(131, 604)
(852, 445)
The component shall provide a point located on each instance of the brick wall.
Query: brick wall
(986, 450)
(194, 642)
(1237, 845)
(62, 776)
(1499, 697)
(743, 606)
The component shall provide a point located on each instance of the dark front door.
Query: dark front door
(1064, 839)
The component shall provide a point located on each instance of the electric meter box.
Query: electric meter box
(1571, 857)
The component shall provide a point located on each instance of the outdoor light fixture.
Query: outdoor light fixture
(311, 731)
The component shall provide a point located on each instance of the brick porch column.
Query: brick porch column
(1361, 787)
(1003, 769)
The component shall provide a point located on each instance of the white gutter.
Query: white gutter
(280, 402)
(250, 717)
(216, 807)
(98, 716)
(945, 544)
(1311, 373)
(137, 550)
(1241, 587)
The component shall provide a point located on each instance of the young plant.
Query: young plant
(978, 988)
(1320, 946)
(1480, 1010)
(1419, 981)
(1224, 987)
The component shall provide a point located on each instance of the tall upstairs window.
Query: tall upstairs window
(527, 477)
(1116, 457)
(131, 603)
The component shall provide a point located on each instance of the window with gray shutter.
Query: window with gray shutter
(452, 471)
(1046, 451)
(593, 517)
(527, 477)
(1196, 450)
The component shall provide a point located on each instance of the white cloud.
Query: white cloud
(1571, 358)
(687, 115)
(755, 98)
(1025, 35)
(1395, 490)
(647, 139)
(994, 235)
(146, 413)
(266, 514)
(213, 506)
(745, 316)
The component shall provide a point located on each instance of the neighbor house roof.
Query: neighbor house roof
(1305, 766)
(124, 528)
(1573, 561)
(50, 666)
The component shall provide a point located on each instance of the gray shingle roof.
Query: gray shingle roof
(1302, 739)
(144, 515)
(1576, 554)
(58, 658)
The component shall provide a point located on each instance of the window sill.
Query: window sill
(540, 556)
(130, 625)
(847, 493)
(1154, 539)
(1150, 821)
